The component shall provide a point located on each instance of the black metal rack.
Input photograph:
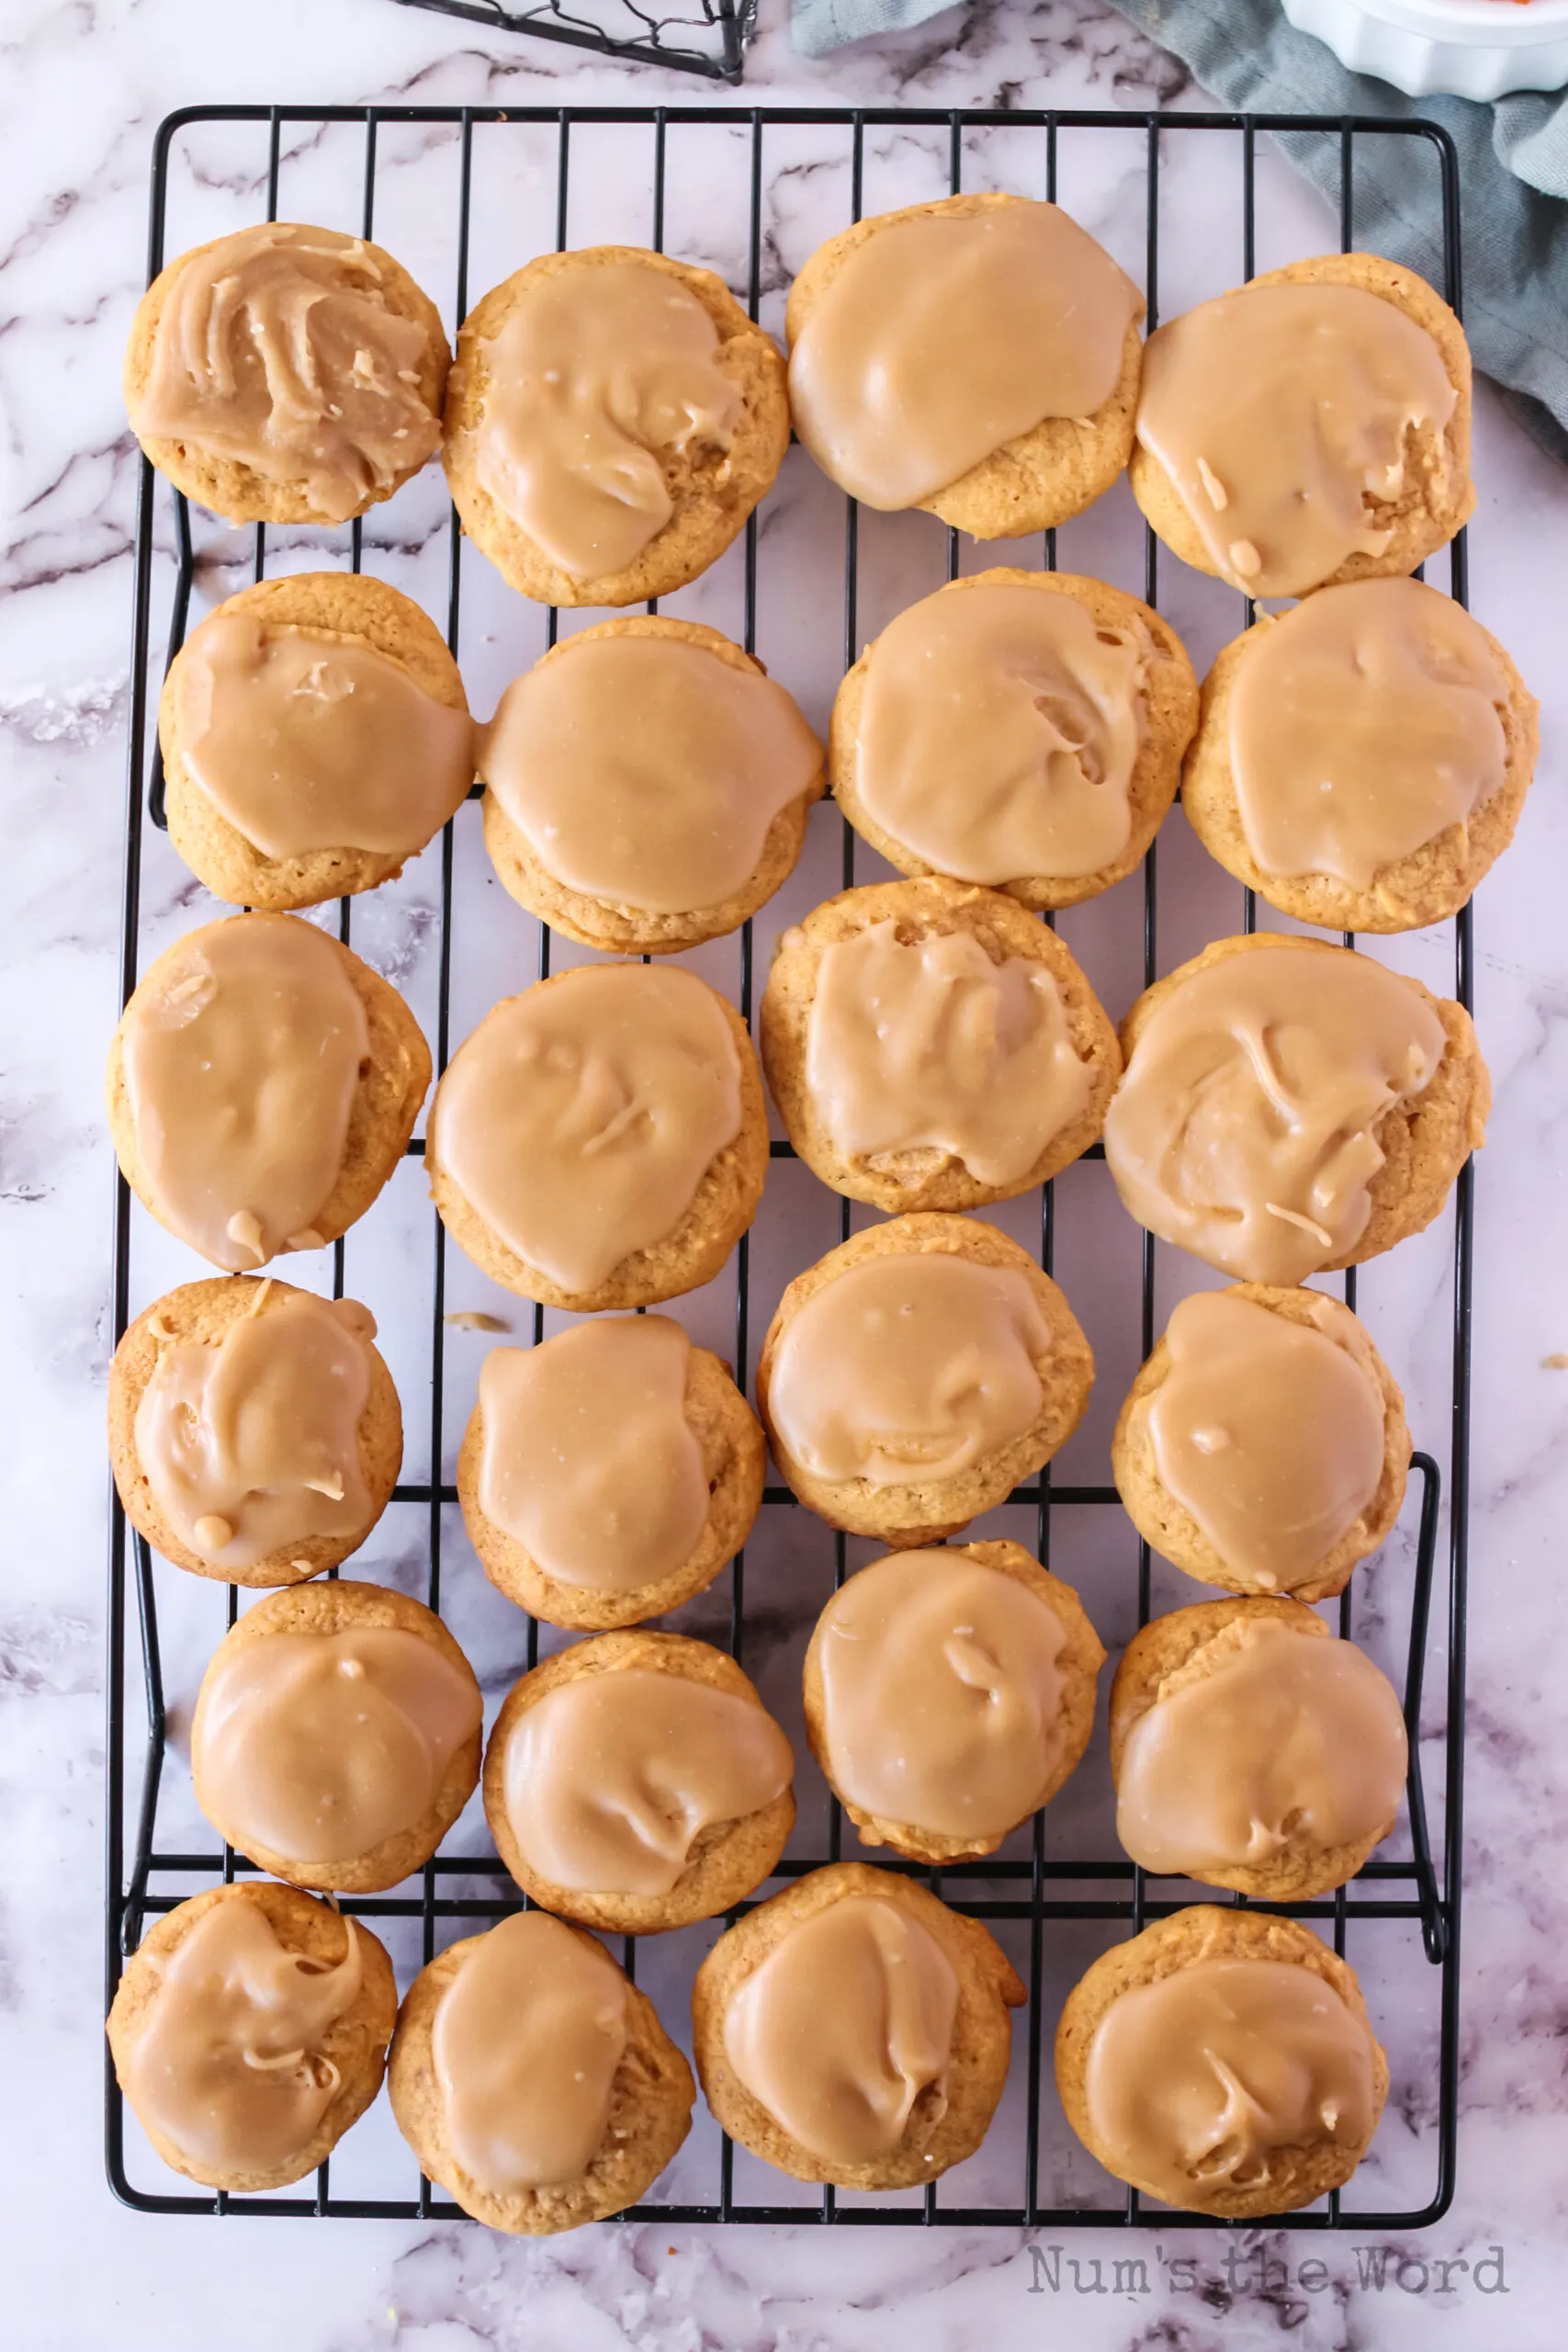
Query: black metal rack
(706, 37)
(1036, 1891)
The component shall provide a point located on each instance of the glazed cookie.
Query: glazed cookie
(913, 1377)
(315, 735)
(648, 786)
(608, 1474)
(336, 1735)
(254, 1431)
(1311, 428)
(1263, 1446)
(931, 1046)
(602, 1139)
(612, 420)
(854, 2029)
(1363, 760)
(637, 1783)
(262, 1085)
(249, 2031)
(1222, 2062)
(1019, 729)
(533, 2081)
(948, 1696)
(1340, 1138)
(1252, 1749)
(287, 374)
(977, 356)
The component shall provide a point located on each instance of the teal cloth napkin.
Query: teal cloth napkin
(1513, 162)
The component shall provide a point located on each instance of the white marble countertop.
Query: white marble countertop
(80, 90)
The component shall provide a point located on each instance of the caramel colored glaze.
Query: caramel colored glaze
(322, 1747)
(254, 1444)
(1280, 413)
(241, 1069)
(1273, 1743)
(308, 741)
(588, 1458)
(907, 1368)
(578, 1121)
(1244, 1128)
(527, 2044)
(843, 2026)
(275, 349)
(226, 2063)
(944, 337)
(1363, 724)
(1270, 1432)
(930, 1044)
(1194, 2082)
(999, 732)
(612, 1777)
(592, 378)
(941, 1688)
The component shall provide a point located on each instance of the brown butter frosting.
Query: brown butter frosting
(843, 2026)
(1198, 2079)
(1280, 413)
(940, 338)
(908, 1368)
(579, 1118)
(1244, 1127)
(227, 2064)
(1362, 725)
(241, 1070)
(323, 1745)
(1269, 1431)
(526, 2043)
(998, 733)
(1290, 1741)
(595, 376)
(254, 1443)
(611, 1778)
(275, 348)
(929, 1043)
(589, 1461)
(645, 771)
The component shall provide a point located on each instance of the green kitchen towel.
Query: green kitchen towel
(1512, 167)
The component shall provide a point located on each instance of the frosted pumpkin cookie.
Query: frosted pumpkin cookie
(315, 735)
(608, 1474)
(1251, 1748)
(287, 374)
(648, 786)
(931, 1046)
(1327, 1143)
(1019, 729)
(254, 1431)
(854, 2029)
(1363, 760)
(533, 2081)
(611, 419)
(1263, 1446)
(336, 1735)
(600, 1140)
(948, 1696)
(249, 2031)
(637, 1783)
(262, 1084)
(1312, 426)
(1222, 2062)
(977, 356)
(915, 1375)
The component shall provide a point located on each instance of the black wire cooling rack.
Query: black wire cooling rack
(707, 37)
(1032, 1895)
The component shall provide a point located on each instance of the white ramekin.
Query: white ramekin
(1464, 49)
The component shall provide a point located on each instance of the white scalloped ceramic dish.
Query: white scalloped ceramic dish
(1463, 49)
